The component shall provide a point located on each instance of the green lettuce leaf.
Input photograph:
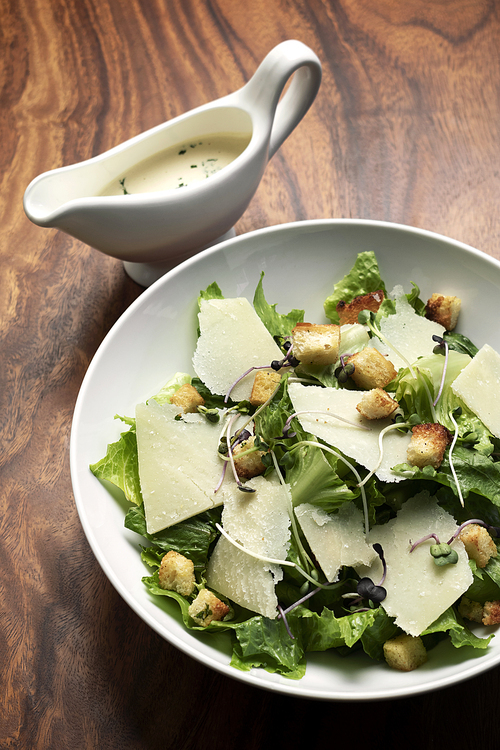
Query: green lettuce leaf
(171, 386)
(120, 465)
(211, 292)
(191, 538)
(276, 323)
(363, 278)
(459, 633)
(476, 474)
(265, 643)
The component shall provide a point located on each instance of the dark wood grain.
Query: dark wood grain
(406, 128)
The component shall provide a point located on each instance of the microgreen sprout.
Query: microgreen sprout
(442, 346)
(304, 598)
(455, 412)
(479, 522)
(395, 426)
(344, 371)
(225, 451)
(324, 413)
(277, 364)
(270, 560)
(211, 415)
(442, 552)
(366, 589)
(283, 617)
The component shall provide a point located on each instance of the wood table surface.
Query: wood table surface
(405, 128)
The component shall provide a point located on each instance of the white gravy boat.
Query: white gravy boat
(153, 231)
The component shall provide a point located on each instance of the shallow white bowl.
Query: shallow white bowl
(156, 337)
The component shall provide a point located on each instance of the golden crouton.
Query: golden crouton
(264, 385)
(470, 610)
(427, 445)
(377, 404)
(443, 309)
(316, 344)
(177, 573)
(188, 398)
(371, 369)
(348, 311)
(491, 613)
(405, 652)
(206, 608)
(250, 465)
(478, 543)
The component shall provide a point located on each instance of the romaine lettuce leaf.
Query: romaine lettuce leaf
(120, 465)
(476, 474)
(363, 278)
(191, 538)
(276, 323)
(459, 633)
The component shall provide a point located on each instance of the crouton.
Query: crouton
(376, 404)
(206, 608)
(443, 309)
(371, 369)
(478, 543)
(348, 311)
(249, 465)
(316, 344)
(188, 398)
(427, 445)
(470, 610)
(491, 613)
(176, 573)
(405, 652)
(264, 385)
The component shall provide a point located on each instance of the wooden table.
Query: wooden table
(406, 128)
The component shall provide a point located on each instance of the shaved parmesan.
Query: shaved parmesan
(478, 385)
(260, 523)
(336, 539)
(409, 333)
(360, 444)
(232, 339)
(174, 486)
(418, 590)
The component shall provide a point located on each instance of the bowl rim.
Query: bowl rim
(290, 688)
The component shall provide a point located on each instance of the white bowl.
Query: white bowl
(156, 337)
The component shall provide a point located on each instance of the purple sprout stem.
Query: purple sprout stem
(380, 553)
(250, 369)
(301, 600)
(223, 474)
(478, 522)
(283, 617)
(284, 363)
(424, 539)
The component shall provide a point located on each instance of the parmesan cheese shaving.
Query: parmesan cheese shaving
(232, 340)
(360, 444)
(260, 522)
(478, 385)
(174, 486)
(409, 333)
(418, 590)
(335, 539)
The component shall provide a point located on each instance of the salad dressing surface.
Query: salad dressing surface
(180, 165)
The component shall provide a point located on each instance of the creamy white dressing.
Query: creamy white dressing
(180, 165)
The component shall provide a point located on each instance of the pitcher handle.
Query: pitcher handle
(266, 86)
